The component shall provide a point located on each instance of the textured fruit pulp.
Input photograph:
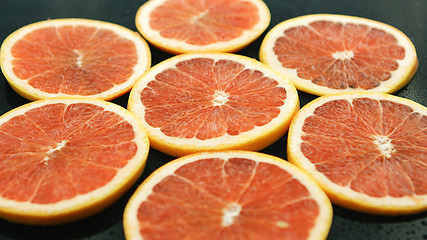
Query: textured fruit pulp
(236, 198)
(58, 151)
(73, 60)
(379, 142)
(206, 98)
(340, 56)
(201, 22)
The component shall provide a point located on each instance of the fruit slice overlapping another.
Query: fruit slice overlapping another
(181, 26)
(366, 150)
(73, 57)
(212, 101)
(228, 195)
(63, 159)
(326, 53)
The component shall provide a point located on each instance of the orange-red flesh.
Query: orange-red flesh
(59, 151)
(73, 60)
(203, 22)
(340, 56)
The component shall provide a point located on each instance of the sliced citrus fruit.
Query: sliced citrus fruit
(181, 26)
(73, 57)
(62, 159)
(210, 101)
(325, 53)
(366, 150)
(228, 195)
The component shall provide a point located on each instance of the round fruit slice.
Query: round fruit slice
(325, 54)
(366, 150)
(213, 101)
(67, 158)
(228, 195)
(180, 26)
(73, 57)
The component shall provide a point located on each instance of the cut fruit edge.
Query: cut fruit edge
(401, 77)
(253, 140)
(322, 224)
(27, 91)
(340, 195)
(174, 46)
(87, 204)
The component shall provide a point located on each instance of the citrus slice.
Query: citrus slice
(366, 150)
(325, 54)
(181, 26)
(228, 195)
(212, 101)
(73, 57)
(63, 159)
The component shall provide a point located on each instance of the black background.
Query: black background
(409, 16)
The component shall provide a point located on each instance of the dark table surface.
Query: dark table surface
(409, 16)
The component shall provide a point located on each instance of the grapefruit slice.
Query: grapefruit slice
(325, 54)
(213, 101)
(73, 57)
(181, 26)
(366, 150)
(63, 159)
(228, 195)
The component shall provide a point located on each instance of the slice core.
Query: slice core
(230, 212)
(385, 146)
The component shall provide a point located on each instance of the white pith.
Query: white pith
(230, 213)
(79, 60)
(385, 146)
(58, 147)
(220, 98)
(344, 55)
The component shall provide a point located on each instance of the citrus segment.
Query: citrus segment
(209, 101)
(325, 53)
(228, 195)
(73, 57)
(64, 159)
(216, 25)
(367, 150)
